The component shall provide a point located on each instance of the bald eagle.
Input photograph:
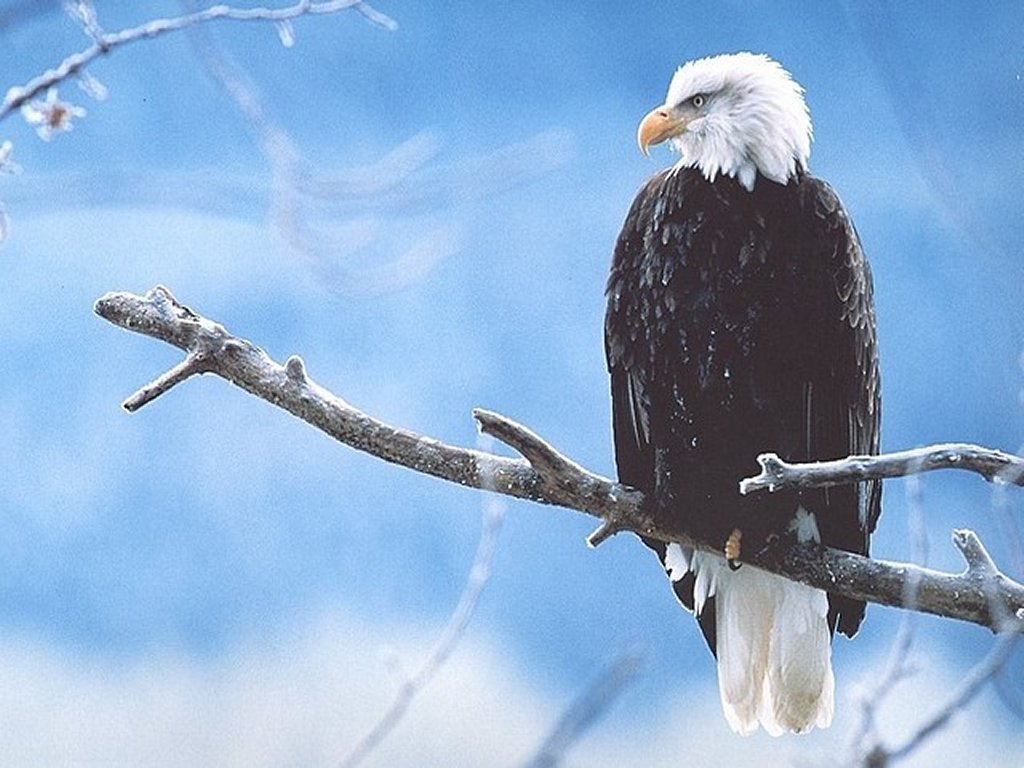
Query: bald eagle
(740, 320)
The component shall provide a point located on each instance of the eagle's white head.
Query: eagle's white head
(738, 115)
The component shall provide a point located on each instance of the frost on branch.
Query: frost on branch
(51, 116)
(994, 466)
(104, 43)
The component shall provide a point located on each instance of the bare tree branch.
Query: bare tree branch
(104, 43)
(994, 466)
(158, 314)
(981, 594)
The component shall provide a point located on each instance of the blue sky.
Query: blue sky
(210, 580)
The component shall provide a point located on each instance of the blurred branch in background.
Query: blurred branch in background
(881, 756)
(39, 101)
(349, 249)
(331, 218)
(870, 695)
(494, 507)
(587, 709)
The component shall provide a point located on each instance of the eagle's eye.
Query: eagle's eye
(697, 101)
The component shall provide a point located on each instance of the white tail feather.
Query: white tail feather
(773, 645)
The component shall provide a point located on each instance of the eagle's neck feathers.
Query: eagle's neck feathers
(755, 120)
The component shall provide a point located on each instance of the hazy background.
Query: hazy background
(212, 581)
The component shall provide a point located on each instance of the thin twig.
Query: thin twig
(978, 595)
(194, 363)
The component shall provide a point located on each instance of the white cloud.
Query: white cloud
(306, 697)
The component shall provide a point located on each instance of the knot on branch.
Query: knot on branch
(295, 369)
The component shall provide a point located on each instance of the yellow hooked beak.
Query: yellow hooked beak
(659, 124)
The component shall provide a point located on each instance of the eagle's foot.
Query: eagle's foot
(732, 549)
